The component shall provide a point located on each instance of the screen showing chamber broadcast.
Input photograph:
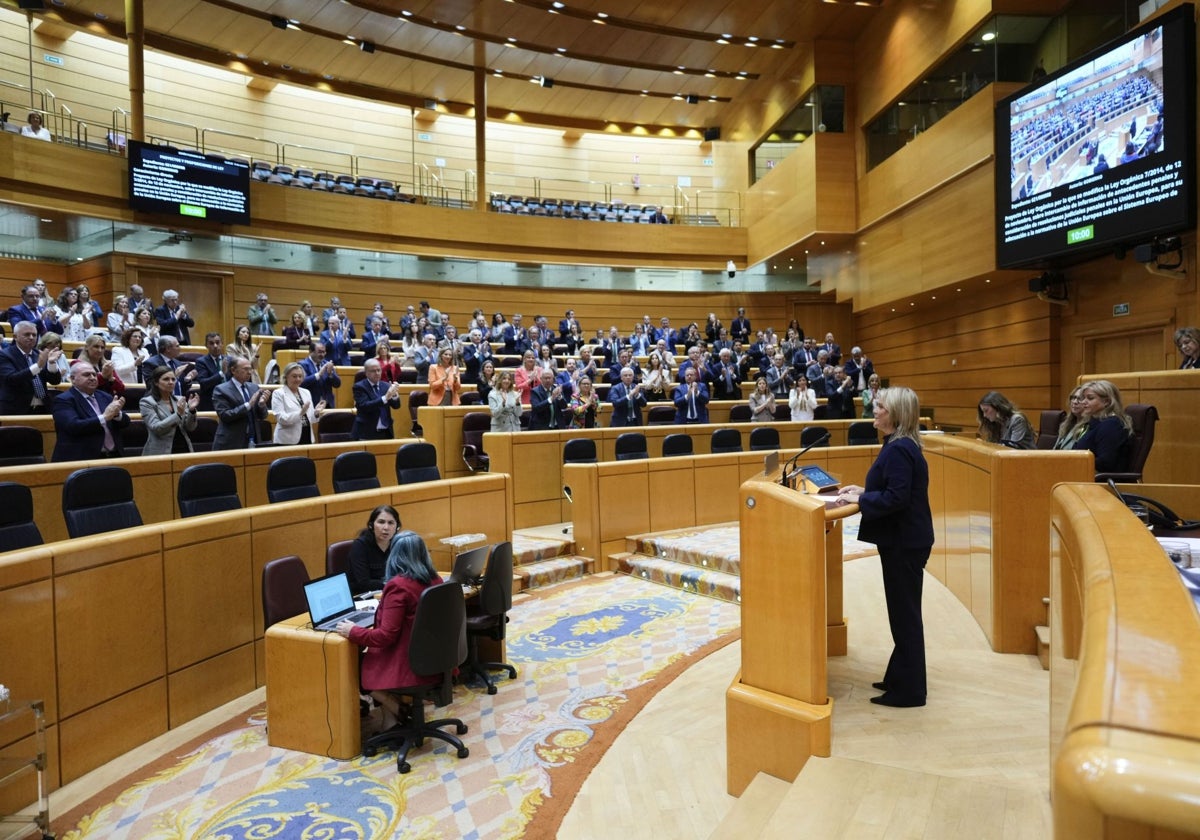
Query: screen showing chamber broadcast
(188, 184)
(1100, 154)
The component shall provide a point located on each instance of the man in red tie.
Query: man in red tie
(87, 422)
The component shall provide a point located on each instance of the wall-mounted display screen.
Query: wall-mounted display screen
(188, 184)
(1100, 155)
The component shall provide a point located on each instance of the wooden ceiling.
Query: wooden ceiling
(613, 62)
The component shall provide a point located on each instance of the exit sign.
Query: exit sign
(1120, 309)
(707, 162)
(53, 59)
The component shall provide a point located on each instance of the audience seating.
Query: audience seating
(21, 446)
(661, 415)
(579, 451)
(416, 462)
(335, 427)
(415, 400)
(437, 645)
(133, 439)
(489, 615)
(783, 411)
(821, 412)
(862, 434)
(740, 414)
(763, 438)
(283, 589)
(1048, 429)
(813, 434)
(207, 488)
(631, 446)
(97, 500)
(676, 444)
(726, 440)
(468, 398)
(337, 557)
(1143, 418)
(292, 478)
(355, 471)
(473, 427)
(203, 435)
(17, 529)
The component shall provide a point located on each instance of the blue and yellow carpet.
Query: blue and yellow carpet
(588, 656)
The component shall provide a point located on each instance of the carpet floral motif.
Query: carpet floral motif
(578, 653)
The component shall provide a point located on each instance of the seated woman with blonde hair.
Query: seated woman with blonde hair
(1109, 431)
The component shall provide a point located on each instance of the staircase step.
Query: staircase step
(715, 548)
(552, 570)
(754, 808)
(1043, 645)
(709, 582)
(534, 549)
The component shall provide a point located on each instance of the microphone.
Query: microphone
(567, 492)
(786, 478)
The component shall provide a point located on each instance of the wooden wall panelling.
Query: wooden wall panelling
(210, 683)
(20, 793)
(102, 732)
(672, 478)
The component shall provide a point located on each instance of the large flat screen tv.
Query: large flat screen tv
(188, 185)
(1100, 155)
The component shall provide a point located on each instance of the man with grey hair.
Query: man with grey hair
(374, 401)
(261, 316)
(476, 352)
(87, 421)
(239, 404)
(173, 318)
(27, 375)
(168, 356)
(627, 400)
(726, 377)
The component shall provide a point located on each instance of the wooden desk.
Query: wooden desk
(312, 690)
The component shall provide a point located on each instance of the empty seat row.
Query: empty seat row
(326, 182)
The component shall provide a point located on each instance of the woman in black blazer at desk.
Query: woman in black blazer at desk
(897, 519)
(369, 551)
(1109, 431)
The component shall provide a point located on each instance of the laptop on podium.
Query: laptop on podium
(330, 601)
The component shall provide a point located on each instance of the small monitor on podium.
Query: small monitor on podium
(818, 478)
(770, 462)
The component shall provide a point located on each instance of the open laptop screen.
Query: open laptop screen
(328, 596)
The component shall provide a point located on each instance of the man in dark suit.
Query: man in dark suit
(29, 309)
(859, 369)
(691, 400)
(740, 328)
(624, 360)
(210, 370)
(475, 353)
(87, 422)
(627, 401)
(833, 349)
(27, 375)
(374, 400)
(168, 356)
(726, 377)
(665, 333)
(239, 404)
(547, 405)
(516, 337)
(173, 318)
(565, 324)
(320, 378)
(337, 346)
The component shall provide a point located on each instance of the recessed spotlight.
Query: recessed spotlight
(47, 221)
(722, 41)
(989, 36)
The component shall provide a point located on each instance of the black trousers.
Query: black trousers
(903, 579)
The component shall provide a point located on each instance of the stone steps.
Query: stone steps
(685, 576)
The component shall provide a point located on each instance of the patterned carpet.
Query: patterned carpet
(588, 656)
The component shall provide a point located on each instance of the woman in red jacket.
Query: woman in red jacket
(408, 573)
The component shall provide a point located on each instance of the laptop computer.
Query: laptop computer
(330, 601)
(469, 565)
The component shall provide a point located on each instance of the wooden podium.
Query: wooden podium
(777, 710)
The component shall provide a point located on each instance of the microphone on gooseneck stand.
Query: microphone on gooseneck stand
(786, 478)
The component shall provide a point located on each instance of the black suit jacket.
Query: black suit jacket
(16, 383)
(371, 408)
(168, 324)
(210, 377)
(17, 314)
(79, 431)
(540, 414)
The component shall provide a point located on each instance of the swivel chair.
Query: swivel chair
(1048, 429)
(337, 557)
(677, 444)
(416, 462)
(474, 424)
(739, 414)
(292, 478)
(490, 615)
(579, 451)
(862, 433)
(335, 427)
(21, 446)
(96, 500)
(763, 438)
(811, 434)
(207, 488)
(661, 415)
(631, 446)
(17, 528)
(283, 589)
(355, 471)
(726, 440)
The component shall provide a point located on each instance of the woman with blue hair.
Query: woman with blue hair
(408, 573)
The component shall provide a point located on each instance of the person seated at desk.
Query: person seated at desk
(35, 129)
(93, 354)
(1001, 422)
(298, 334)
(1109, 431)
(408, 573)
(1187, 339)
(1073, 425)
(369, 550)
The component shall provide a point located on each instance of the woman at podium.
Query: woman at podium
(896, 518)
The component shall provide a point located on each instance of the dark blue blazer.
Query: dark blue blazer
(682, 398)
(168, 324)
(337, 348)
(895, 498)
(210, 377)
(371, 407)
(540, 403)
(619, 397)
(20, 312)
(1109, 441)
(320, 387)
(16, 383)
(79, 431)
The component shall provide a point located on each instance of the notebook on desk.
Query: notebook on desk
(330, 601)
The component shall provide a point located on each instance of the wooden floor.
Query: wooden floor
(973, 762)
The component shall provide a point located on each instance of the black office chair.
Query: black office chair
(676, 445)
(283, 589)
(726, 440)
(335, 427)
(811, 434)
(416, 399)
(763, 438)
(579, 451)
(337, 557)
(489, 616)
(471, 398)
(17, 528)
(862, 433)
(739, 414)
(660, 415)
(1143, 418)
(133, 438)
(207, 488)
(355, 471)
(1048, 429)
(204, 434)
(437, 645)
(631, 446)
(20, 446)
(416, 462)
(292, 478)
(474, 424)
(96, 500)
